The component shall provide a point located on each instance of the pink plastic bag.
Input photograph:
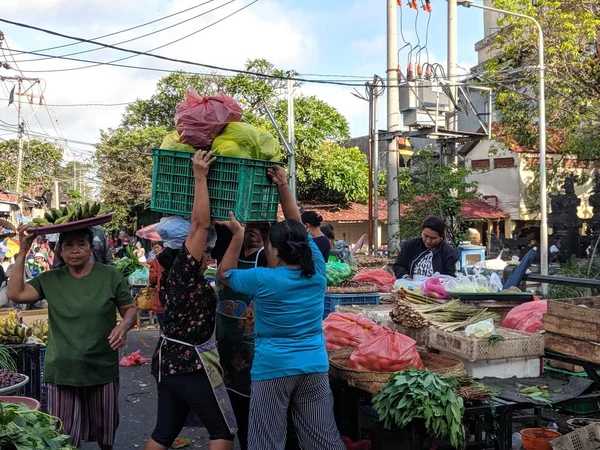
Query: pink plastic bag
(527, 317)
(385, 351)
(344, 330)
(133, 359)
(200, 120)
(382, 278)
(434, 289)
(149, 233)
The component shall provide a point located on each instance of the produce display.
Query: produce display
(422, 394)
(39, 329)
(21, 428)
(8, 379)
(337, 273)
(346, 330)
(6, 359)
(417, 311)
(11, 331)
(382, 278)
(68, 213)
(129, 263)
(352, 287)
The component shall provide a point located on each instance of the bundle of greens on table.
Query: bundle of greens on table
(129, 263)
(23, 429)
(422, 394)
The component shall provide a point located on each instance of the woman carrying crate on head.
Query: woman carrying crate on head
(290, 368)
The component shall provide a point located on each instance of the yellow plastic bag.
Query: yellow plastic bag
(241, 140)
(171, 142)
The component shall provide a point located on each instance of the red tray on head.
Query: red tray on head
(72, 226)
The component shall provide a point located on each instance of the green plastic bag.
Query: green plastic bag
(337, 273)
(171, 142)
(241, 140)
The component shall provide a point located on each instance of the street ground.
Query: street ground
(138, 399)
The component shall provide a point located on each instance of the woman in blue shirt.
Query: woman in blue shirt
(290, 368)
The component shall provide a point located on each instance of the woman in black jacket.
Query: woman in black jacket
(428, 254)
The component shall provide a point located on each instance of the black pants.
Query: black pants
(177, 395)
(241, 409)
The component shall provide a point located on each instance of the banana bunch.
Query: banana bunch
(11, 331)
(39, 329)
(68, 213)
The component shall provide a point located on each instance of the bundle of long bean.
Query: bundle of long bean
(471, 389)
(416, 311)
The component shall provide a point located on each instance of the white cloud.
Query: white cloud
(371, 47)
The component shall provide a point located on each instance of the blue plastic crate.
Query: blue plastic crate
(333, 300)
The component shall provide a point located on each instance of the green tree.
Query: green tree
(40, 162)
(571, 29)
(429, 187)
(325, 171)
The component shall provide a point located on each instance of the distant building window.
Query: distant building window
(480, 164)
(504, 163)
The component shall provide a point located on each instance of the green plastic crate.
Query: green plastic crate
(234, 184)
(583, 409)
(561, 374)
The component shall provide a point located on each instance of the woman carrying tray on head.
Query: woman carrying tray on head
(186, 362)
(81, 369)
(290, 368)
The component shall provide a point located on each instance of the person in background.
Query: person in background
(290, 368)
(41, 261)
(119, 249)
(428, 254)
(140, 252)
(81, 369)
(51, 258)
(313, 221)
(156, 272)
(186, 361)
(157, 247)
(340, 250)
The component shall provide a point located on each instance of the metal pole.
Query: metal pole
(375, 166)
(56, 195)
(291, 120)
(20, 136)
(452, 58)
(393, 124)
(370, 167)
(542, 134)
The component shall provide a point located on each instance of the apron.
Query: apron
(208, 354)
(235, 335)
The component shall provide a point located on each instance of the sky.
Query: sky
(312, 37)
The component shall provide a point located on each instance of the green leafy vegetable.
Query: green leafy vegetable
(495, 338)
(128, 264)
(338, 272)
(6, 360)
(23, 429)
(422, 394)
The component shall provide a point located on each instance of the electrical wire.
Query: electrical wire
(147, 53)
(142, 36)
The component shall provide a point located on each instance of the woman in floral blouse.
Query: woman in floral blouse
(186, 361)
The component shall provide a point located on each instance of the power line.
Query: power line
(140, 37)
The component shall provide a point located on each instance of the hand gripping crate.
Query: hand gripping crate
(515, 344)
(586, 438)
(234, 184)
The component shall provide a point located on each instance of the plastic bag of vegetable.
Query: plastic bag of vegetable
(385, 351)
(468, 284)
(173, 230)
(481, 330)
(241, 140)
(199, 120)
(527, 317)
(384, 280)
(139, 277)
(338, 272)
(171, 142)
(346, 330)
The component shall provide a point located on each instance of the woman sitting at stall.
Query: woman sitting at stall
(290, 368)
(340, 250)
(428, 254)
(186, 360)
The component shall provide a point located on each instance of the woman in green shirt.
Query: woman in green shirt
(81, 369)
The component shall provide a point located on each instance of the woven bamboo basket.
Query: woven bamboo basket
(373, 382)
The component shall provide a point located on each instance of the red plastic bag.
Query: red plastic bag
(382, 278)
(360, 445)
(527, 317)
(346, 330)
(385, 351)
(133, 359)
(200, 120)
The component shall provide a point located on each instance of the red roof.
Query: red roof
(555, 140)
(9, 198)
(357, 212)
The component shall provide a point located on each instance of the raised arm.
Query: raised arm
(230, 259)
(18, 291)
(288, 204)
(200, 222)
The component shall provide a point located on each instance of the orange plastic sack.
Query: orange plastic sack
(382, 278)
(385, 351)
(201, 119)
(527, 317)
(344, 330)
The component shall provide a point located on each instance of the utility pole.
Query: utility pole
(20, 125)
(393, 123)
(56, 195)
(376, 163)
(452, 73)
(291, 120)
(370, 165)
